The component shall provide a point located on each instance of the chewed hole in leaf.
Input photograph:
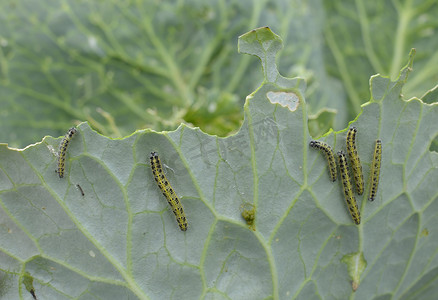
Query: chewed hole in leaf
(285, 99)
(434, 145)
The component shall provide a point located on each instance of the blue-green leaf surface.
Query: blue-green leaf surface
(121, 241)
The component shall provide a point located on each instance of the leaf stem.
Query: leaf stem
(343, 71)
(405, 14)
(366, 37)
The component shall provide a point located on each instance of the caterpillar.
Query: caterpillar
(348, 191)
(375, 170)
(329, 155)
(168, 191)
(80, 189)
(63, 151)
(354, 158)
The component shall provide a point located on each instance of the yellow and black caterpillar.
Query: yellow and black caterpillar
(375, 170)
(329, 155)
(63, 151)
(354, 158)
(348, 191)
(168, 191)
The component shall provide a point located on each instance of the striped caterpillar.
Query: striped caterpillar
(168, 191)
(63, 151)
(355, 161)
(375, 170)
(348, 191)
(329, 155)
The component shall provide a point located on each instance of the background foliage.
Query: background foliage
(127, 65)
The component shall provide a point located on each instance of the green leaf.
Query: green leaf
(120, 240)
